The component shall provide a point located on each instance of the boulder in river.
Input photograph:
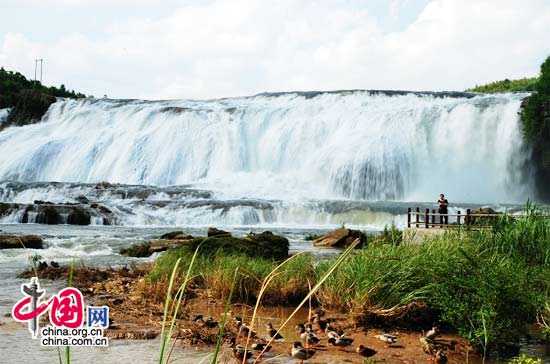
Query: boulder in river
(212, 231)
(146, 249)
(176, 235)
(48, 214)
(484, 211)
(43, 212)
(264, 245)
(82, 199)
(340, 238)
(8, 241)
(140, 250)
(79, 216)
(481, 220)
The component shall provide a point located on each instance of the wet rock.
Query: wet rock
(79, 217)
(481, 220)
(176, 235)
(340, 238)
(137, 250)
(275, 246)
(83, 199)
(48, 214)
(20, 241)
(212, 231)
(103, 185)
(65, 213)
(484, 211)
(8, 208)
(40, 202)
(101, 208)
(143, 250)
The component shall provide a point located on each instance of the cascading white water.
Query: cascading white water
(357, 145)
(4, 114)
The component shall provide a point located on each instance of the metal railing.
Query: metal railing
(430, 219)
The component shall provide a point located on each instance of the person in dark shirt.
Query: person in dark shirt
(443, 203)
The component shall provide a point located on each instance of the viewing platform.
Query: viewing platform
(429, 219)
(425, 223)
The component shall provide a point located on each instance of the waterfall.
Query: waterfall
(357, 145)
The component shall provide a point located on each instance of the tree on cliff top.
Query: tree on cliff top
(506, 85)
(535, 118)
(535, 113)
(28, 99)
(12, 83)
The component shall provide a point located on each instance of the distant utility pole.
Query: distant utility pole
(36, 62)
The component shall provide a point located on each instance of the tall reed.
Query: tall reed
(165, 336)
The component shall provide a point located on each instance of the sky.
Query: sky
(185, 49)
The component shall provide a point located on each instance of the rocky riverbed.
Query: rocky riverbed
(136, 312)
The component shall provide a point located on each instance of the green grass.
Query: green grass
(488, 286)
(216, 273)
(519, 85)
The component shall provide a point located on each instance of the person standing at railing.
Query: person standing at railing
(443, 204)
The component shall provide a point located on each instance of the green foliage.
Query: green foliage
(535, 113)
(520, 85)
(525, 359)
(34, 260)
(11, 83)
(29, 99)
(535, 117)
(390, 235)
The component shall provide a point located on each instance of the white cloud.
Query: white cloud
(236, 47)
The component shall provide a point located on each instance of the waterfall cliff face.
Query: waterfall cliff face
(356, 145)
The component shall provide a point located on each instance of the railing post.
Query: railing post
(467, 218)
(417, 217)
(458, 217)
(409, 217)
(427, 219)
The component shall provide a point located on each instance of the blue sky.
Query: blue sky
(203, 49)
